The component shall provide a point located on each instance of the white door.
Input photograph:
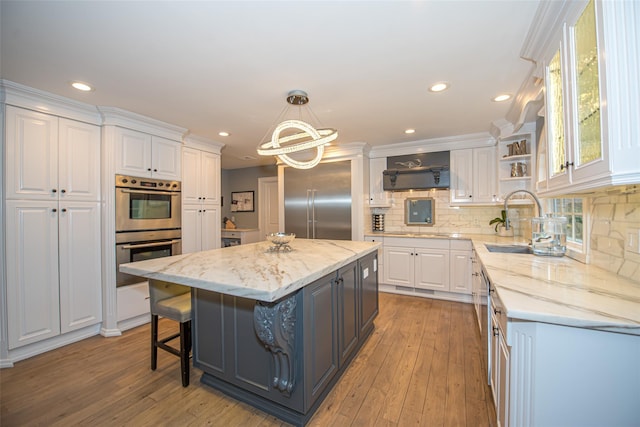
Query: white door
(460, 272)
(210, 176)
(79, 161)
(166, 160)
(268, 205)
(80, 271)
(133, 153)
(31, 155)
(191, 228)
(399, 266)
(210, 229)
(484, 172)
(432, 269)
(461, 176)
(32, 271)
(191, 177)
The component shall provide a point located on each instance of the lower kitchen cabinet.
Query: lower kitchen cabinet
(332, 317)
(552, 375)
(53, 269)
(417, 263)
(428, 267)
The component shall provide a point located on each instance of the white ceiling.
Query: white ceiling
(211, 66)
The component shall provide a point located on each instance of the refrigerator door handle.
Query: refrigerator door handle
(308, 206)
(313, 214)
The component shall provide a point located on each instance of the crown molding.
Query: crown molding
(473, 140)
(18, 95)
(202, 143)
(112, 116)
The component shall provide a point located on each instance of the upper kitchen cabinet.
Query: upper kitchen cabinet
(377, 196)
(144, 155)
(200, 194)
(591, 74)
(51, 158)
(473, 176)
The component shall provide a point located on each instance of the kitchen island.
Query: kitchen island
(276, 329)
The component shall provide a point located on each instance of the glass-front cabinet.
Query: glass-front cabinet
(592, 97)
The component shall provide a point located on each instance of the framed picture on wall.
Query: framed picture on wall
(242, 201)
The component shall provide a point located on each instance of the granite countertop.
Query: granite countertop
(556, 290)
(251, 271)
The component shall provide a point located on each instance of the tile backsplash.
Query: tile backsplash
(613, 214)
(448, 219)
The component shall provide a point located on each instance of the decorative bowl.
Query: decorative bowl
(281, 238)
(280, 241)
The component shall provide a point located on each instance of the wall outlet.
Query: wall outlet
(632, 243)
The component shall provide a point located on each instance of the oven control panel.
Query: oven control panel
(146, 183)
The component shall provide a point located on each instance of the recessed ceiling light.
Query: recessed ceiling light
(502, 97)
(223, 133)
(409, 131)
(439, 87)
(82, 86)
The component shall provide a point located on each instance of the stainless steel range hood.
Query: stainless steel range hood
(422, 171)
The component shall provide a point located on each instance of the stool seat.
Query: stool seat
(173, 302)
(176, 308)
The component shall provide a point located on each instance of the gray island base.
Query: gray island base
(284, 357)
(278, 339)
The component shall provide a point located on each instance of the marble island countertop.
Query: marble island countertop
(557, 290)
(252, 271)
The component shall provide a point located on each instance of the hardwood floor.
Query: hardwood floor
(420, 367)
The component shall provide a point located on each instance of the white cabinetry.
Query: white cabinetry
(377, 196)
(473, 176)
(143, 155)
(53, 246)
(592, 95)
(500, 354)
(200, 200)
(417, 263)
(460, 266)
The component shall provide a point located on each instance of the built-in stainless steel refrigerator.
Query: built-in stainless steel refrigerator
(317, 201)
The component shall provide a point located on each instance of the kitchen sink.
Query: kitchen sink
(509, 249)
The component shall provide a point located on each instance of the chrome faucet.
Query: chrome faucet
(506, 208)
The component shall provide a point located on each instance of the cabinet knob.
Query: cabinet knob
(204, 210)
(53, 190)
(54, 210)
(155, 170)
(470, 195)
(496, 331)
(64, 210)
(496, 311)
(63, 191)
(149, 169)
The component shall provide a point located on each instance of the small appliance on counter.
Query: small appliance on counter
(549, 235)
(377, 222)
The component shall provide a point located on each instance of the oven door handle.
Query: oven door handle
(171, 193)
(151, 245)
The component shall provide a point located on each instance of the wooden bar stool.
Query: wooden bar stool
(172, 302)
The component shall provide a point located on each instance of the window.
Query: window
(573, 209)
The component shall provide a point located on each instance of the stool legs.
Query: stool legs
(185, 349)
(183, 353)
(154, 341)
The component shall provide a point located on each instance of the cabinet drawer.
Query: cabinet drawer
(234, 234)
(132, 301)
(461, 245)
(417, 243)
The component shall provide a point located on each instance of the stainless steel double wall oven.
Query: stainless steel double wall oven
(148, 221)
